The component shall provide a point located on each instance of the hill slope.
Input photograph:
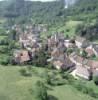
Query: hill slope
(49, 12)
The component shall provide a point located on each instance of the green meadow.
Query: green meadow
(14, 86)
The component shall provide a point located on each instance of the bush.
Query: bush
(58, 82)
(4, 60)
(71, 79)
(80, 86)
(91, 92)
(84, 54)
(50, 66)
(64, 75)
(47, 78)
(69, 51)
(40, 59)
(25, 72)
(95, 80)
(4, 42)
(53, 79)
(40, 91)
(85, 90)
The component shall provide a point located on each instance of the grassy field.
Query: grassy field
(13, 86)
(68, 29)
(71, 27)
(2, 37)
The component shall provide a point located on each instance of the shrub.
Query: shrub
(58, 82)
(25, 72)
(47, 78)
(64, 75)
(50, 66)
(4, 60)
(69, 51)
(84, 54)
(78, 86)
(91, 92)
(40, 91)
(70, 79)
(95, 80)
(85, 90)
(4, 42)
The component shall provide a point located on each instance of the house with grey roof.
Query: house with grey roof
(64, 64)
(81, 42)
(21, 56)
(82, 72)
(95, 49)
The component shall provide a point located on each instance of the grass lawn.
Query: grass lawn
(13, 86)
(69, 93)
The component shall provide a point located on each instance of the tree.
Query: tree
(40, 59)
(48, 78)
(84, 54)
(19, 7)
(13, 35)
(40, 91)
(69, 51)
(5, 60)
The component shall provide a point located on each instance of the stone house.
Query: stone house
(90, 51)
(81, 42)
(68, 44)
(82, 72)
(21, 56)
(61, 61)
(55, 40)
(78, 60)
(63, 64)
(84, 67)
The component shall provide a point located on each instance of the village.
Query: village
(74, 54)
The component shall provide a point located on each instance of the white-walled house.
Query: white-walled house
(82, 72)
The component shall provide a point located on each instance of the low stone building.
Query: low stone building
(89, 52)
(78, 60)
(82, 72)
(81, 42)
(65, 64)
(21, 56)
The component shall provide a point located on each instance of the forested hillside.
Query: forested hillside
(38, 12)
(84, 10)
(52, 13)
(48, 12)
